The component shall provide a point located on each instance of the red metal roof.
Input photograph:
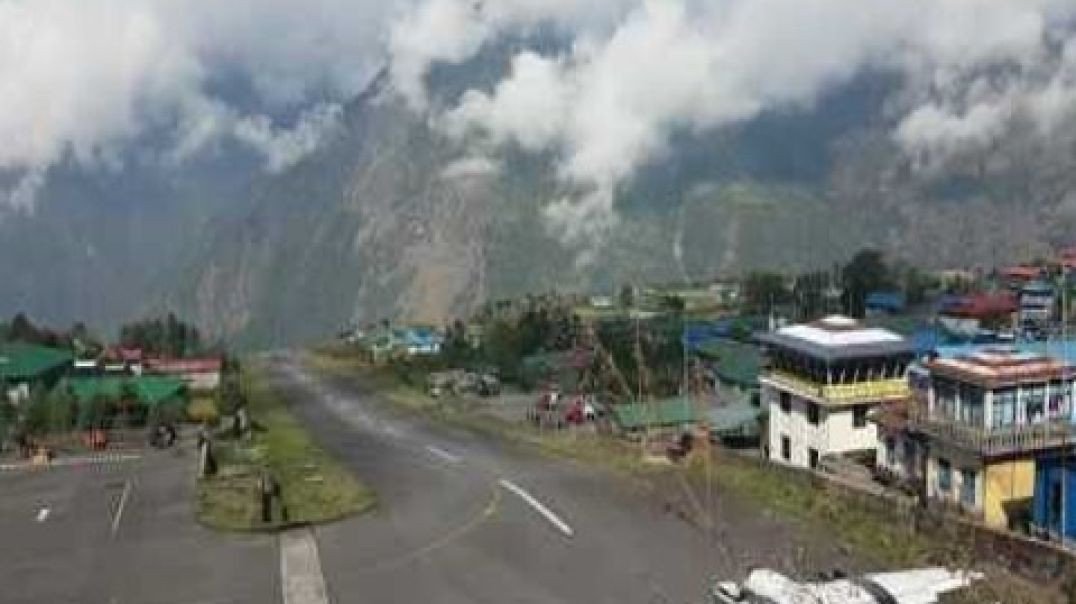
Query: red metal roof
(984, 305)
(1022, 272)
(994, 367)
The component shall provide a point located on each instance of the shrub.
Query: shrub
(203, 410)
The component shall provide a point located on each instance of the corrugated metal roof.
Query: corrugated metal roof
(734, 361)
(20, 361)
(149, 390)
(667, 412)
(740, 418)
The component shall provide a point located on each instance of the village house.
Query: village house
(822, 381)
(1037, 302)
(422, 341)
(900, 457)
(24, 367)
(134, 396)
(986, 417)
(969, 316)
(1053, 511)
(199, 374)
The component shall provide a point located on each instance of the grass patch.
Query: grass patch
(869, 527)
(315, 487)
(795, 495)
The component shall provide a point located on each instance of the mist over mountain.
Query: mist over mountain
(520, 146)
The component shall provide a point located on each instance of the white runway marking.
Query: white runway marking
(445, 455)
(300, 569)
(43, 514)
(537, 505)
(119, 508)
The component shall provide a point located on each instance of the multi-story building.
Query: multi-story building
(899, 460)
(987, 416)
(821, 382)
(1036, 304)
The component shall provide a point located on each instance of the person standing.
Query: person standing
(270, 492)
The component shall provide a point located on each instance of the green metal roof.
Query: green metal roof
(22, 362)
(735, 419)
(735, 362)
(148, 390)
(668, 412)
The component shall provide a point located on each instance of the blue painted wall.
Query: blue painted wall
(1050, 471)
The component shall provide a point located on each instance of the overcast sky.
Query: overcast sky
(85, 80)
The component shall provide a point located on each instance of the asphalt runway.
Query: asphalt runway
(102, 530)
(467, 518)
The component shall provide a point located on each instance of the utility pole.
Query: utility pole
(1066, 385)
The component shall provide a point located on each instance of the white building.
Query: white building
(822, 381)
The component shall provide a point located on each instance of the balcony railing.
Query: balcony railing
(871, 391)
(1009, 440)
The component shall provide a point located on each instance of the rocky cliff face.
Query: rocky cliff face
(393, 220)
(390, 219)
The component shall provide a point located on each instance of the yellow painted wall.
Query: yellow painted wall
(1006, 481)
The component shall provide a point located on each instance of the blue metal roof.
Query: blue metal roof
(891, 301)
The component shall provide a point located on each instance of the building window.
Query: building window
(971, 408)
(1004, 408)
(945, 393)
(859, 416)
(1034, 404)
(967, 487)
(786, 447)
(786, 402)
(812, 458)
(945, 478)
(1060, 396)
(812, 413)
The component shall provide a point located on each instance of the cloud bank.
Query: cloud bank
(642, 71)
(88, 81)
(93, 81)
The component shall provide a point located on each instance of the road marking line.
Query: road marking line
(445, 455)
(43, 514)
(537, 505)
(300, 569)
(119, 509)
(487, 512)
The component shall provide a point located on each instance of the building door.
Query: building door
(786, 447)
(1053, 514)
(812, 458)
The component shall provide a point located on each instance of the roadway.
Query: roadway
(467, 518)
(119, 529)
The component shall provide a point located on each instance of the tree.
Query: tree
(503, 346)
(627, 296)
(92, 413)
(915, 284)
(865, 273)
(673, 303)
(168, 336)
(22, 330)
(809, 294)
(762, 291)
